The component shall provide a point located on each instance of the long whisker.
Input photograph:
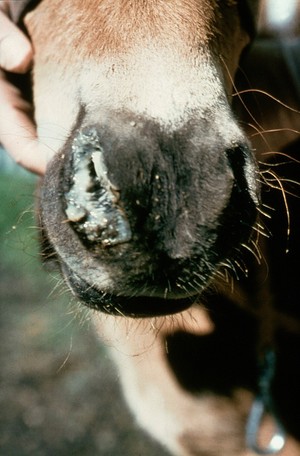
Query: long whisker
(283, 154)
(238, 93)
(263, 92)
(276, 130)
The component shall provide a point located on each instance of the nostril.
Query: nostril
(239, 216)
(244, 170)
(92, 201)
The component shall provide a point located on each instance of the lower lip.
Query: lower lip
(143, 306)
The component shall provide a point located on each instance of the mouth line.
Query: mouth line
(145, 306)
(118, 305)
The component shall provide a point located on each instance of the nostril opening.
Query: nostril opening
(240, 214)
(91, 201)
(236, 158)
(244, 170)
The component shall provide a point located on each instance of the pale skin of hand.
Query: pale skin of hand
(18, 133)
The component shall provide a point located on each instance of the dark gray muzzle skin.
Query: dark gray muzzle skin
(140, 218)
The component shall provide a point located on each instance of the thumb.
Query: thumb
(15, 48)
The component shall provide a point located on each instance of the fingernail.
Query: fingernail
(15, 53)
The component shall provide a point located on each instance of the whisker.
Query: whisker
(280, 187)
(264, 213)
(256, 255)
(261, 230)
(256, 246)
(257, 126)
(285, 155)
(276, 130)
(67, 356)
(263, 92)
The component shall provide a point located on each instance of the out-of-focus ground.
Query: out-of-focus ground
(59, 391)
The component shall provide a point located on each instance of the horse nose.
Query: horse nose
(132, 184)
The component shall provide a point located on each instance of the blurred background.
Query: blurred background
(59, 392)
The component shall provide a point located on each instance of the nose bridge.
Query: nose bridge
(166, 67)
(161, 83)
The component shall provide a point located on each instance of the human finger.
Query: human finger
(15, 48)
(17, 130)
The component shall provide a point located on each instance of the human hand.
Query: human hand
(17, 129)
